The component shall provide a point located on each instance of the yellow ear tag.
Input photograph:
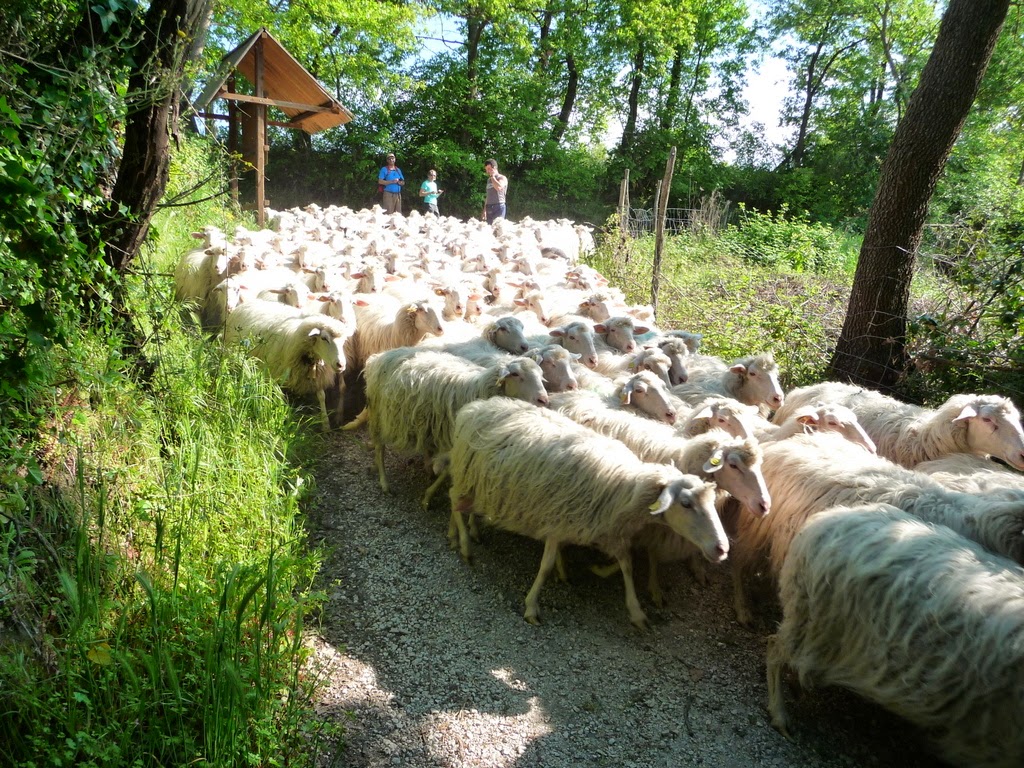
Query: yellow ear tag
(655, 506)
(714, 461)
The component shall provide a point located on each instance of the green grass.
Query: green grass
(740, 308)
(160, 577)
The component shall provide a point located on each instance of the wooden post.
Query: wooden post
(233, 129)
(661, 195)
(624, 215)
(261, 130)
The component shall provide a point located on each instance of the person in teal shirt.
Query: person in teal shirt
(429, 192)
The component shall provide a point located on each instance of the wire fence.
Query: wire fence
(640, 221)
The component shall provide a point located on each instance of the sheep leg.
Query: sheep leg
(325, 420)
(653, 585)
(776, 662)
(429, 493)
(636, 613)
(378, 457)
(740, 601)
(457, 524)
(474, 527)
(695, 563)
(547, 562)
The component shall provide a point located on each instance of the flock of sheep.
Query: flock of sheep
(558, 411)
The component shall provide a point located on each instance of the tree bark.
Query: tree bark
(569, 99)
(629, 129)
(154, 96)
(872, 347)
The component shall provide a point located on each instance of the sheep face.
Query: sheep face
(536, 302)
(454, 301)
(758, 382)
(646, 392)
(523, 380)
(507, 334)
(726, 414)
(735, 467)
(556, 366)
(578, 338)
(832, 417)
(326, 349)
(994, 429)
(425, 319)
(677, 352)
(654, 361)
(619, 333)
(687, 506)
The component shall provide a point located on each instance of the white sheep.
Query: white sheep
(807, 474)
(412, 396)
(304, 353)
(732, 463)
(539, 474)
(640, 395)
(198, 271)
(822, 417)
(716, 412)
(618, 334)
(677, 352)
(969, 473)
(384, 323)
(912, 617)
(986, 425)
(753, 380)
(653, 360)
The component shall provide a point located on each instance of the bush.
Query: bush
(779, 241)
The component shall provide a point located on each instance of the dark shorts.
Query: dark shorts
(432, 208)
(495, 211)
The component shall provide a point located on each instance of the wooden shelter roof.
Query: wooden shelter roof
(286, 83)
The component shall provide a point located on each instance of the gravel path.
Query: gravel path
(431, 664)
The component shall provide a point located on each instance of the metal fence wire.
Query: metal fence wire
(640, 221)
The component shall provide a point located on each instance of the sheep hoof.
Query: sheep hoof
(532, 619)
(780, 724)
(658, 598)
(604, 571)
(641, 622)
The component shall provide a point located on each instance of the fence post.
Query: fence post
(623, 245)
(661, 194)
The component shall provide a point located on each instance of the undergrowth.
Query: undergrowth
(158, 577)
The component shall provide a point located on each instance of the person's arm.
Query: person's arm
(423, 189)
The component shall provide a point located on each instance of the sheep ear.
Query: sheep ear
(807, 415)
(503, 374)
(715, 461)
(439, 291)
(738, 369)
(600, 328)
(707, 412)
(664, 501)
(626, 393)
(575, 355)
(641, 329)
(314, 332)
(969, 412)
(520, 302)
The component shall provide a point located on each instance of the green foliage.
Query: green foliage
(740, 308)
(780, 241)
(158, 575)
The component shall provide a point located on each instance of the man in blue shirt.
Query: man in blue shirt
(393, 180)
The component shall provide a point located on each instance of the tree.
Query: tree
(872, 347)
(169, 36)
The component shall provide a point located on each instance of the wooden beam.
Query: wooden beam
(261, 128)
(224, 94)
(277, 123)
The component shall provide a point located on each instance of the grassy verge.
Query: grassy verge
(740, 307)
(156, 577)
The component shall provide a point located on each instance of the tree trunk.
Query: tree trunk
(629, 129)
(872, 348)
(675, 77)
(568, 101)
(154, 96)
